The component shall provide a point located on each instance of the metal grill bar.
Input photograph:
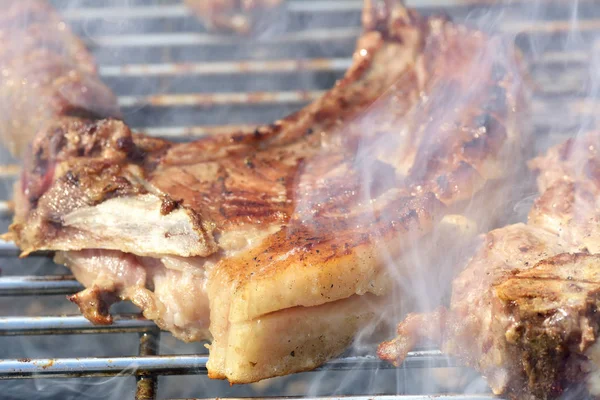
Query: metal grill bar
(197, 131)
(550, 26)
(210, 99)
(146, 383)
(182, 365)
(404, 397)
(6, 207)
(139, 12)
(565, 57)
(94, 367)
(189, 38)
(314, 35)
(288, 97)
(180, 10)
(294, 6)
(8, 170)
(8, 249)
(38, 285)
(222, 68)
(276, 66)
(11, 326)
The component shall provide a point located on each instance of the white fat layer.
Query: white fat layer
(136, 225)
(242, 239)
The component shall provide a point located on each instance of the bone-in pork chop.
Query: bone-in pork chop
(282, 235)
(524, 311)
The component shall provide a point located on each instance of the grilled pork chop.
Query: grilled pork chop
(291, 225)
(239, 16)
(524, 310)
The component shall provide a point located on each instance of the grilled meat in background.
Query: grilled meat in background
(285, 232)
(239, 16)
(47, 74)
(524, 312)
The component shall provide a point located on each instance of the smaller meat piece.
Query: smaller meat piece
(524, 312)
(239, 16)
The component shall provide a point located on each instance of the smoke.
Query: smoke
(422, 273)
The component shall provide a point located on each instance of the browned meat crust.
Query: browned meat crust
(303, 166)
(524, 310)
(296, 215)
(239, 16)
(94, 303)
(47, 73)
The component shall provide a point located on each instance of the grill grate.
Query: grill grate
(165, 68)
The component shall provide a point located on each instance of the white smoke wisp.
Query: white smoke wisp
(562, 94)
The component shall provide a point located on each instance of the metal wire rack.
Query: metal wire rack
(176, 80)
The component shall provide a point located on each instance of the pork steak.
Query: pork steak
(285, 232)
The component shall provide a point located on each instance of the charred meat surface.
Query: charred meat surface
(47, 74)
(289, 225)
(240, 16)
(524, 311)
